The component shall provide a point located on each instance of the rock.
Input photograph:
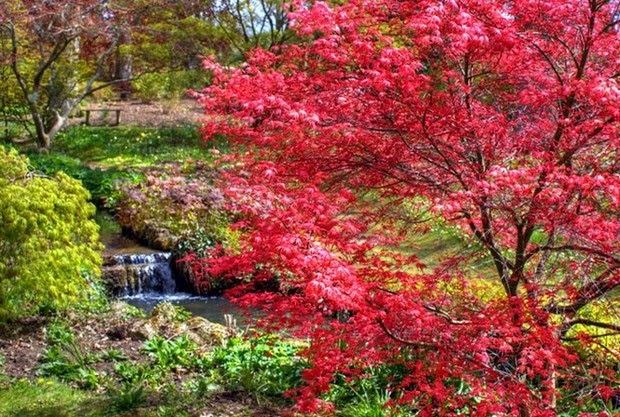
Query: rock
(109, 260)
(186, 279)
(115, 278)
(141, 330)
(163, 314)
(205, 333)
(164, 240)
(120, 310)
(158, 238)
(162, 320)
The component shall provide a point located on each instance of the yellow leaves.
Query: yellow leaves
(48, 239)
(12, 167)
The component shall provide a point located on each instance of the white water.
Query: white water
(150, 281)
(147, 273)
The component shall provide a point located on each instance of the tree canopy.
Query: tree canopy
(499, 118)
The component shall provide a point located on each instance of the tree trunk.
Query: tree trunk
(42, 138)
(123, 68)
(45, 134)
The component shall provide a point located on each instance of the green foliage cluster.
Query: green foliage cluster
(128, 396)
(369, 394)
(264, 365)
(66, 360)
(101, 183)
(169, 85)
(168, 354)
(49, 247)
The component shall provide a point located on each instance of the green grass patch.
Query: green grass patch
(102, 157)
(48, 398)
(131, 147)
(101, 183)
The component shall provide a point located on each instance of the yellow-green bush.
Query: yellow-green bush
(49, 246)
(171, 85)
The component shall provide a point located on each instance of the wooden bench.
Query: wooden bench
(117, 112)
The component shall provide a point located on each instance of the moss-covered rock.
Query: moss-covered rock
(142, 330)
(205, 333)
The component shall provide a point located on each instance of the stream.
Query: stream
(143, 277)
(211, 308)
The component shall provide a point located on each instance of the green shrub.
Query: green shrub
(168, 354)
(49, 244)
(169, 85)
(263, 365)
(101, 183)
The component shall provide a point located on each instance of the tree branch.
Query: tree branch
(575, 248)
(444, 315)
(603, 284)
(594, 323)
(392, 335)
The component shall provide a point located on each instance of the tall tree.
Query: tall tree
(501, 118)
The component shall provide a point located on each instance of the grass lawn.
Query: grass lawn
(49, 398)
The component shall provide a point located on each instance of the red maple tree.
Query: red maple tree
(500, 118)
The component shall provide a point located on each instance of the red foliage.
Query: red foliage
(500, 117)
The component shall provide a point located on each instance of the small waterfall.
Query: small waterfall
(130, 274)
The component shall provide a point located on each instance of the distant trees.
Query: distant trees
(55, 53)
(58, 52)
(251, 24)
(49, 244)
